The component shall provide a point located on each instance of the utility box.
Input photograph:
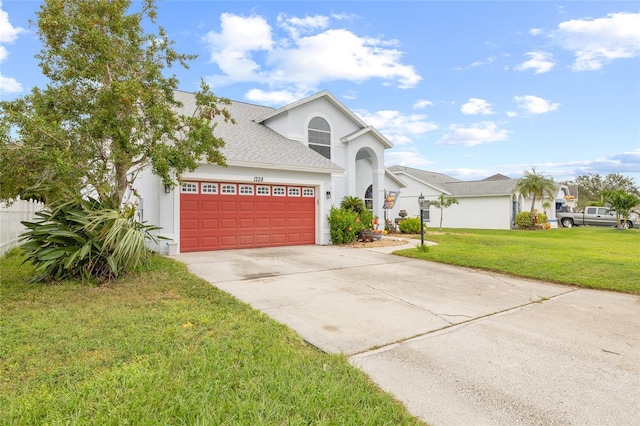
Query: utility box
(172, 249)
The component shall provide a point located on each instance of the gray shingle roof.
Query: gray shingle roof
(432, 178)
(256, 144)
(494, 185)
(481, 187)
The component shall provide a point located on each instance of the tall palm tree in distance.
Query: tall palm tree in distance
(537, 185)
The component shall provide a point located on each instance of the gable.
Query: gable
(249, 143)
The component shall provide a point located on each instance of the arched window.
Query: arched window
(320, 136)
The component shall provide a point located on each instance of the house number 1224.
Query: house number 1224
(258, 179)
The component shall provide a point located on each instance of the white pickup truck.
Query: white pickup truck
(596, 216)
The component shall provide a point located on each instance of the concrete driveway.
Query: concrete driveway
(456, 346)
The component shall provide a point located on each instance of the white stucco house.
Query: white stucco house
(287, 167)
(490, 203)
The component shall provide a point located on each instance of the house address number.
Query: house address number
(258, 179)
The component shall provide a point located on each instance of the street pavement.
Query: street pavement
(457, 346)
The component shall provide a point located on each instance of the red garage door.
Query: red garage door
(220, 216)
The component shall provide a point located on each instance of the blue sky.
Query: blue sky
(468, 89)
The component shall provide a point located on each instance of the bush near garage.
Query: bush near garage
(343, 225)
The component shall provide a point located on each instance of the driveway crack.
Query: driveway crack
(384, 347)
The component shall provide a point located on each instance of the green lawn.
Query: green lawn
(603, 258)
(165, 347)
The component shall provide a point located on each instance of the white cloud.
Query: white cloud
(422, 103)
(273, 98)
(8, 34)
(406, 158)
(624, 163)
(512, 114)
(476, 106)
(478, 63)
(9, 85)
(535, 105)
(296, 26)
(535, 31)
(232, 48)
(476, 134)
(596, 42)
(487, 61)
(539, 62)
(248, 50)
(399, 128)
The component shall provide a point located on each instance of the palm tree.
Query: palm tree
(442, 203)
(535, 184)
(356, 204)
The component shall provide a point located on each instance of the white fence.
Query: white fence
(10, 218)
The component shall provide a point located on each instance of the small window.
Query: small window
(189, 188)
(263, 190)
(591, 210)
(246, 189)
(228, 189)
(294, 192)
(308, 192)
(426, 216)
(209, 188)
(279, 191)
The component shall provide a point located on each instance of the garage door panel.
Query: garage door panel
(263, 206)
(210, 224)
(210, 206)
(229, 241)
(226, 224)
(210, 243)
(214, 221)
(278, 206)
(189, 223)
(228, 206)
(294, 208)
(263, 239)
(263, 223)
(246, 240)
(279, 238)
(246, 206)
(279, 222)
(246, 224)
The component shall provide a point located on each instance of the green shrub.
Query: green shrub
(410, 225)
(343, 225)
(82, 238)
(523, 220)
(542, 218)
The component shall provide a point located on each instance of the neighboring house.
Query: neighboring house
(485, 204)
(286, 168)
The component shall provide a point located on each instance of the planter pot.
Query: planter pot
(377, 236)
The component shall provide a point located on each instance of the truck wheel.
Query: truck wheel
(567, 223)
(627, 225)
